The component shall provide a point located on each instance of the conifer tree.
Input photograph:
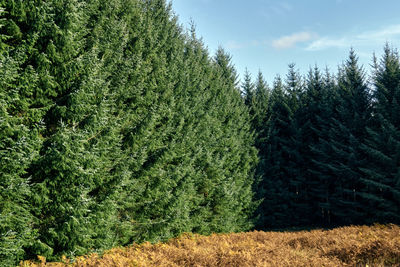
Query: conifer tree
(381, 172)
(316, 117)
(17, 150)
(260, 108)
(294, 86)
(275, 186)
(75, 176)
(19, 138)
(153, 203)
(231, 155)
(347, 131)
(247, 89)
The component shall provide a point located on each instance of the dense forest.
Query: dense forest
(118, 126)
(329, 145)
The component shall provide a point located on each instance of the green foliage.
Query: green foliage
(17, 150)
(275, 155)
(381, 174)
(331, 150)
(116, 126)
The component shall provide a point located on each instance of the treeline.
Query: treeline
(116, 126)
(329, 145)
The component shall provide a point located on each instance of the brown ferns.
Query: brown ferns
(377, 245)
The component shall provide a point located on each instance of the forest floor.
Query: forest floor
(377, 245)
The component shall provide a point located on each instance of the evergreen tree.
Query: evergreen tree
(260, 107)
(276, 188)
(231, 156)
(381, 171)
(154, 199)
(294, 86)
(19, 137)
(116, 126)
(178, 107)
(342, 155)
(17, 150)
(75, 177)
(317, 114)
(248, 89)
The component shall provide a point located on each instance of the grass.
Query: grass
(377, 245)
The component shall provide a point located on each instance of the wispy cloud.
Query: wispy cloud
(289, 41)
(377, 37)
(387, 32)
(326, 42)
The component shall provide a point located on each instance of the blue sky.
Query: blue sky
(267, 35)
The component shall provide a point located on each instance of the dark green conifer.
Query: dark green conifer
(247, 88)
(347, 131)
(382, 145)
(275, 185)
(316, 117)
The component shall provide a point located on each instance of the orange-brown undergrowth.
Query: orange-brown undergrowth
(347, 246)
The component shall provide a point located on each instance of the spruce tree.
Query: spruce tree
(317, 114)
(341, 168)
(247, 89)
(153, 203)
(75, 176)
(17, 150)
(231, 155)
(381, 171)
(19, 136)
(275, 186)
(260, 108)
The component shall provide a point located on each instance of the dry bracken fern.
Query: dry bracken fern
(346, 246)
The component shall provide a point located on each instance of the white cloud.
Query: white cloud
(385, 33)
(378, 37)
(325, 42)
(289, 41)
